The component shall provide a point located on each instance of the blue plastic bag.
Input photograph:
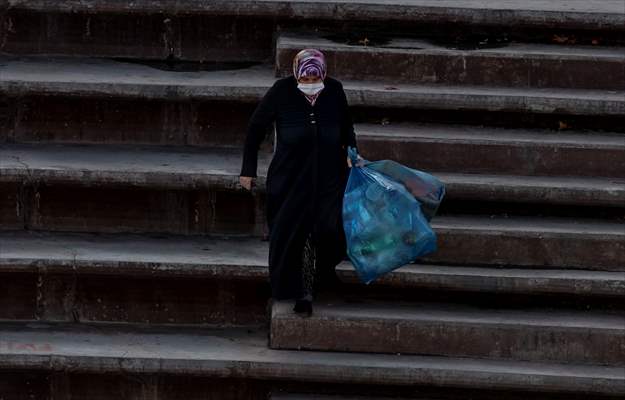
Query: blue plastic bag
(384, 224)
(427, 189)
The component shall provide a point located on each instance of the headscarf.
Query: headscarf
(309, 62)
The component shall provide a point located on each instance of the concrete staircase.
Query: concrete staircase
(133, 266)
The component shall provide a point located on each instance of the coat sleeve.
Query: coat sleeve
(348, 134)
(262, 117)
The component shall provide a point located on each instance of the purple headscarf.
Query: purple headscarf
(309, 62)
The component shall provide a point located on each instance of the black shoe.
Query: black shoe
(303, 307)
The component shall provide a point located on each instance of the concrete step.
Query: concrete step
(544, 242)
(201, 280)
(153, 168)
(174, 33)
(128, 189)
(468, 149)
(594, 14)
(72, 77)
(196, 193)
(132, 278)
(425, 62)
(453, 330)
(244, 355)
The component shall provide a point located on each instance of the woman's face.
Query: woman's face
(309, 79)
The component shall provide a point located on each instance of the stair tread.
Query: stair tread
(491, 135)
(530, 225)
(594, 13)
(99, 77)
(417, 46)
(246, 258)
(335, 309)
(236, 353)
(196, 167)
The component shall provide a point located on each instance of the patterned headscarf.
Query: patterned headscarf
(309, 62)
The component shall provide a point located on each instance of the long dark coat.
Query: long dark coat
(306, 177)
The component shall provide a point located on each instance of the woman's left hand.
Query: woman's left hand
(359, 161)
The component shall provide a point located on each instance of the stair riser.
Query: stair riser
(512, 159)
(595, 292)
(88, 120)
(22, 385)
(465, 68)
(591, 346)
(109, 298)
(126, 202)
(128, 121)
(53, 289)
(148, 36)
(583, 251)
(113, 209)
(166, 118)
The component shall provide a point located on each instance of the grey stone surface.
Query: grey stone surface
(453, 330)
(201, 168)
(499, 280)
(411, 46)
(484, 150)
(530, 241)
(80, 77)
(228, 353)
(460, 133)
(176, 167)
(127, 255)
(606, 14)
(238, 258)
(420, 61)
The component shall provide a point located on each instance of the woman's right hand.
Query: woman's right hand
(247, 182)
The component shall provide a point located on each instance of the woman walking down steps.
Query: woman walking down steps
(306, 177)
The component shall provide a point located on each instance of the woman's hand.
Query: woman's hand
(247, 182)
(359, 161)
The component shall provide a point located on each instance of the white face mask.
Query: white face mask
(310, 89)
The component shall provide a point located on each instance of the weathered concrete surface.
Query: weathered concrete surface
(470, 149)
(497, 280)
(452, 331)
(191, 168)
(236, 354)
(97, 78)
(197, 38)
(238, 259)
(44, 385)
(420, 61)
(543, 190)
(126, 197)
(80, 278)
(224, 258)
(23, 386)
(12, 216)
(530, 241)
(140, 166)
(590, 14)
(128, 121)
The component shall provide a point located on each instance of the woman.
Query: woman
(306, 178)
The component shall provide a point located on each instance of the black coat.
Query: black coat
(306, 177)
